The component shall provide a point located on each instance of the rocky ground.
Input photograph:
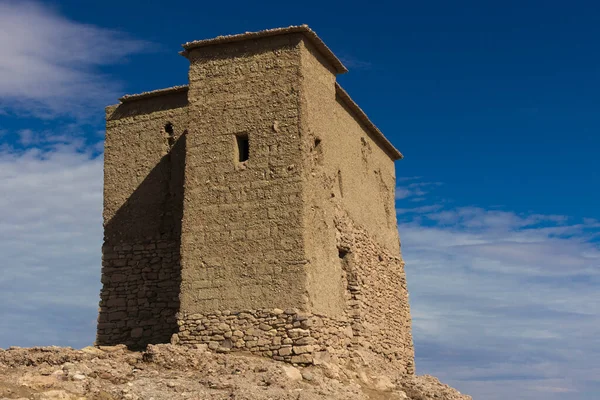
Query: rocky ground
(176, 372)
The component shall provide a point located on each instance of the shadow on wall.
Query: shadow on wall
(141, 271)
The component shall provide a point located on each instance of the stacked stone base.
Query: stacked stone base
(140, 297)
(284, 335)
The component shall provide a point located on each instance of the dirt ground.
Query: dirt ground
(175, 372)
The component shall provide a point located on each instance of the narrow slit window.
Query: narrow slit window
(170, 134)
(243, 147)
(169, 129)
(318, 157)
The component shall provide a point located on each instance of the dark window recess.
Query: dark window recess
(342, 253)
(243, 147)
(170, 134)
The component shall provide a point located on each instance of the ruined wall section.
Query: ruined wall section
(242, 230)
(355, 272)
(377, 297)
(143, 184)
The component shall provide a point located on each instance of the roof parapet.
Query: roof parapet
(153, 93)
(304, 29)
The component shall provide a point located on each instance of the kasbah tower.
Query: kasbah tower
(253, 211)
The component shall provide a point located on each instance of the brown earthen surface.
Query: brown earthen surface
(166, 372)
(293, 253)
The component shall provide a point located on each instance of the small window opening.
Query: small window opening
(243, 147)
(318, 152)
(342, 253)
(170, 134)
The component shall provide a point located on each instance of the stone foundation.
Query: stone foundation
(288, 335)
(140, 295)
(375, 324)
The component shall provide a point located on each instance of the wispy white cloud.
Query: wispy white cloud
(26, 137)
(504, 304)
(351, 62)
(414, 190)
(422, 209)
(51, 65)
(51, 230)
(401, 179)
(51, 177)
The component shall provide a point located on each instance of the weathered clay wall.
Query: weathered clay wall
(374, 326)
(242, 244)
(143, 185)
(355, 271)
(293, 253)
(353, 165)
(325, 285)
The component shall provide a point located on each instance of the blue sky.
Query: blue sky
(494, 106)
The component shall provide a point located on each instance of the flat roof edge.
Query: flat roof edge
(387, 145)
(304, 29)
(153, 93)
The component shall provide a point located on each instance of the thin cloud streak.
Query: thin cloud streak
(414, 190)
(51, 66)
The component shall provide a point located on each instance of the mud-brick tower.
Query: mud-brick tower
(253, 210)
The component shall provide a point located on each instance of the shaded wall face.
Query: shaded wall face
(143, 192)
(355, 271)
(242, 242)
